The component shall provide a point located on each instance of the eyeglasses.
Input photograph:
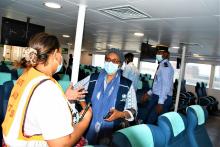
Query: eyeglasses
(115, 61)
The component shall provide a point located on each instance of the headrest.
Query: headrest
(140, 84)
(139, 135)
(5, 77)
(162, 48)
(64, 84)
(199, 113)
(176, 122)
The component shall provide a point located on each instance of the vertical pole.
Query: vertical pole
(78, 43)
(212, 76)
(180, 77)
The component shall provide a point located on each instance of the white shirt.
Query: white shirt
(48, 113)
(163, 81)
(131, 72)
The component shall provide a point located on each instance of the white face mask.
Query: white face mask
(110, 67)
(159, 58)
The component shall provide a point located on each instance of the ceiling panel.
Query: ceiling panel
(100, 4)
(172, 8)
(172, 22)
(213, 6)
(194, 23)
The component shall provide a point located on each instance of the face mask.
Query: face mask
(59, 65)
(159, 58)
(110, 67)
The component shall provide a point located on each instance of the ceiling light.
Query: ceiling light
(139, 34)
(69, 43)
(202, 58)
(176, 47)
(52, 5)
(196, 55)
(66, 36)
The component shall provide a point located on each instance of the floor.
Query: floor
(213, 128)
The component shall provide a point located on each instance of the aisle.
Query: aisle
(213, 128)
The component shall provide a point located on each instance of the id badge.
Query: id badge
(97, 127)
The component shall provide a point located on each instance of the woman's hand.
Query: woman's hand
(75, 94)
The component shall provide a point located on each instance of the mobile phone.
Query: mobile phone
(107, 115)
(81, 89)
(84, 112)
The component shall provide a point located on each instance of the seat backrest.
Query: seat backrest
(140, 84)
(7, 88)
(203, 88)
(4, 76)
(196, 131)
(1, 102)
(139, 136)
(1, 110)
(173, 125)
(198, 90)
(64, 77)
(20, 71)
(64, 84)
(175, 85)
(150, 83)
(183, 86)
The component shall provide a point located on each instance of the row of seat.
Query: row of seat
(205, 100)
(173, 130)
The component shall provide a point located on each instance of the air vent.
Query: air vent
(125, 13)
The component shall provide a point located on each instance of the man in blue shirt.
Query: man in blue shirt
(160, 96)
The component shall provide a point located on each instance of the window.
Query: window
(148, 67)
(135, 61)
(216, 80)
(197, 73)
(98, 60)
(176, 71)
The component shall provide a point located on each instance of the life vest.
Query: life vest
(13, 125)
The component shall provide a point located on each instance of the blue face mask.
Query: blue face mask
(59, 67)
(110, 67)
(159, 58)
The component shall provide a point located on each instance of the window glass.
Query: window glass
(98, 60)
(135, 61)
(148, 67)
(176, 71)
(197, 73)
(216, 80)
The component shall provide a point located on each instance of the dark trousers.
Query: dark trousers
(151, 114)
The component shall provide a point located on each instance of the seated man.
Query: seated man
(110, 93)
